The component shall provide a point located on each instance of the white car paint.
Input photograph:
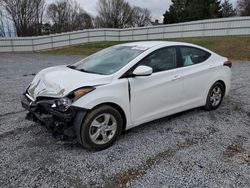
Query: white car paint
(142, 99)
(160, 96)
(60, 80)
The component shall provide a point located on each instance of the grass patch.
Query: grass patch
(82, 49)
(235, 48)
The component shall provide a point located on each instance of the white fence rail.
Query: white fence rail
(239, 26)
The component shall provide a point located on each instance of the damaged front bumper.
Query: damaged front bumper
(59, 122)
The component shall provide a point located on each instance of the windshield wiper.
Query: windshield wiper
(83, 70)
(91, 72)
(71, 66)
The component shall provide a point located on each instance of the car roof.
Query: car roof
(151, 44)
(146, 45)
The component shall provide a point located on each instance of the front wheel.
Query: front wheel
(215, 96)
(101, 128)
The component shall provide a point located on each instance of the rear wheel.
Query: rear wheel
(101, 128)
(215, 96)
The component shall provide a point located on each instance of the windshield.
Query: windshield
(108, 61)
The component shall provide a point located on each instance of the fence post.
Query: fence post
(228, 27)
(52, 45)
(12, 46)
(32, 43)
(88, 35)
(163, 32)
(182, 29)
(119, 34)
(69, 39)
(147, 32)
(203, 29)
(105, 35)
(132, 34)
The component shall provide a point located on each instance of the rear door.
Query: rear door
(160, 94)
(197, 73)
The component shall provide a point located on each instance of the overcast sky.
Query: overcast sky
(157, 7)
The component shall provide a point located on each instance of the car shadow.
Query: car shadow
(73, 144)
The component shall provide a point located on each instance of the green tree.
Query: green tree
(214, 9)
(190, 10)
(177, 12)
(227, 9)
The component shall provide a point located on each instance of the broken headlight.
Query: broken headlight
(62, 104)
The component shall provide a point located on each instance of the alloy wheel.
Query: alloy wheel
(216, 96)
(103, 129)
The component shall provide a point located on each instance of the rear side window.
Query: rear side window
(192, 56)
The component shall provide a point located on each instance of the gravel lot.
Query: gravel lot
(192, 149)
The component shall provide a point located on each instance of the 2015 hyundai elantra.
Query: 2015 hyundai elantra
(123, 86)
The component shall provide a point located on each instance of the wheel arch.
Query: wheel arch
(224, 85)
(120, 110)
(208, 104)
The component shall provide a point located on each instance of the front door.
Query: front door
(160, 94)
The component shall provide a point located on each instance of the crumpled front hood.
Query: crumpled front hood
(59, 81)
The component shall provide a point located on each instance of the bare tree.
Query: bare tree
(141, 16)
(98, 22)
(9, 28)
(2, 28)
(5, 24)
(40, 7)
(243, 7)
(114, 14)
(68, 16)
(27, 15)
(79, 19)
(58, 12)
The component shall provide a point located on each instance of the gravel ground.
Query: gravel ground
(191, 149)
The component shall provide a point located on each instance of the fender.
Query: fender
(116, 92)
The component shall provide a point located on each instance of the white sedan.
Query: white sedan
(123, 86)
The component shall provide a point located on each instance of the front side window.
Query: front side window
(108, 61)
(161, 60)
(191, 56)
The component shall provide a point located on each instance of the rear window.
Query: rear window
(192, 56)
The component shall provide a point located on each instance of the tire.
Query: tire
(98, 123)
(215, 96)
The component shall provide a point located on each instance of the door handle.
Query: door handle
(176, 77)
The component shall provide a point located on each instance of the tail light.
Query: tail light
(228, 64)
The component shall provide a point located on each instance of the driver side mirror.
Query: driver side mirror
(143, 71)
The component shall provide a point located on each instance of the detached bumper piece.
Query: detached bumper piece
(59, 123)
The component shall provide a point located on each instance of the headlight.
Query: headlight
(81, 92)
(62, 104)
